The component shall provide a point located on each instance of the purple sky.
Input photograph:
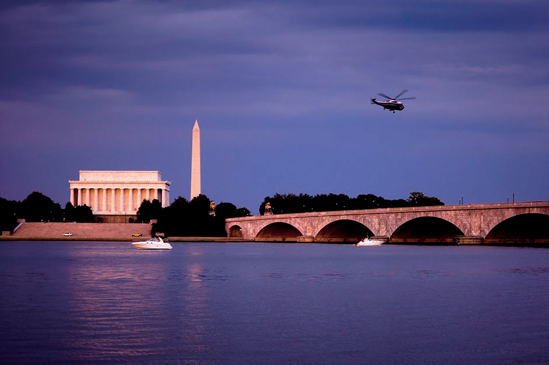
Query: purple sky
(281, 91)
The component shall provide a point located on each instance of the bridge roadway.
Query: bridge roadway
(501, 223)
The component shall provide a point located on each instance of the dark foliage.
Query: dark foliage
(39, 208)
(193, 219)
(79, 214)
(148, 210)
(417, 199)
(8, 214)
(69, 212)
(303, 203)
(241, 212)
(225, 210)
(83, 214)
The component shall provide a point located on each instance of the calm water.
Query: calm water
(258, 303)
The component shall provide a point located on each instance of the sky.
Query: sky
(281, 91)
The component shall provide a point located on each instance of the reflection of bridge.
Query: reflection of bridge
(526, 223)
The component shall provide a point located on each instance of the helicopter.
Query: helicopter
(391, 103)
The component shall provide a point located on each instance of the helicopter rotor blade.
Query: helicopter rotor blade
(385, 96)
(407, 98)
(403, 91)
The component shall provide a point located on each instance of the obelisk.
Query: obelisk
(195, 162)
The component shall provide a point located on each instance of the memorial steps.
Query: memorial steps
(86, 231)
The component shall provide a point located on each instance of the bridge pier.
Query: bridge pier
(469, 240)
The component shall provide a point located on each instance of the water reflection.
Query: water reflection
(103, 303)
(194, 271)
(116, 302)
(195, 317)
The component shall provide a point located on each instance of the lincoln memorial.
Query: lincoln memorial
(116, 195)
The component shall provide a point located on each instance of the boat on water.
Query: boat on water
(155, 243)
(370, 242)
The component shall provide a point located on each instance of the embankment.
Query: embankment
(95, 232)
(80, 231)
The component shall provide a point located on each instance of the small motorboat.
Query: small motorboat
(155, 243)
(370, 242)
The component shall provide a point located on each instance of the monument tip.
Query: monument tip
(196, 125)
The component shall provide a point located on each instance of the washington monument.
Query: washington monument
(195, 162)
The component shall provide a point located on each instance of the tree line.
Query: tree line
(303, 203)
(37, 207)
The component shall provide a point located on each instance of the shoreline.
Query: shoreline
(123, 239)
(235, 240)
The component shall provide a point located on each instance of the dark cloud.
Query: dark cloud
(419, 16)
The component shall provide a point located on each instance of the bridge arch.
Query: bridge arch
(343, 230)
(530, 229)
(235, 231)
(278, 232)
(427, 229)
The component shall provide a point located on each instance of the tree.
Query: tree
(242, 212)
(225, 210)
(200, 222)
(368, 201)
(69, 213)
(8, 214)
(148, 210)
(37, 207)
(419, 199)
(171, 219)
(200, 206)
(83, 214)
(229, 210)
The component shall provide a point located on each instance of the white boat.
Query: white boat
(370, 242)
(155, 243)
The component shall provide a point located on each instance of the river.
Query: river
(267, 303)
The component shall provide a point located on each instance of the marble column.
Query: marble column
(79, 200)
(113, 199)
(130, 201)
(96, 200)
(104, 208)
(122, 207)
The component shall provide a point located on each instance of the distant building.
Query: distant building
(115, 196)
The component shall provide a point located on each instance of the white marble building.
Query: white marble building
(118, 193)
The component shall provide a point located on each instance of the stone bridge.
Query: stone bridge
(502, 223)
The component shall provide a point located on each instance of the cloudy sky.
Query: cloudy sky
(281, 90)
